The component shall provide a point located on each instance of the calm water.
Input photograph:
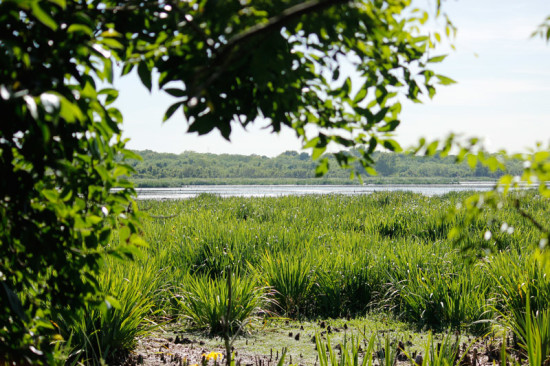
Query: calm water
(285, 190)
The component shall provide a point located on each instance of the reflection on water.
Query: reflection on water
(285, 190)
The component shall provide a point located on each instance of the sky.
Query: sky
(502, 93)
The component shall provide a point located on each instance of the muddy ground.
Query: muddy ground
(263, 344)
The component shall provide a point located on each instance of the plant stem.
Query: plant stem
(227, 335)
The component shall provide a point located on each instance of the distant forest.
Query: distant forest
(172, 170)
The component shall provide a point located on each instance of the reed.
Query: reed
(332, 256)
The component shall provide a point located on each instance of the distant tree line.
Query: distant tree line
(164, 169)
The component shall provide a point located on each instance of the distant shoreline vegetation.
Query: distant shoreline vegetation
(174, 183)
(293, 168)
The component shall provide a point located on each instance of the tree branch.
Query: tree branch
(274, 23)
(280, 20)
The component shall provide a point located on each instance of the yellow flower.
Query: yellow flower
(212, 355)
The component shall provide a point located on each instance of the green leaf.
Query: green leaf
(171, 110)
(372, 145)
(322, 167)
(175, 92)
(110, 33)
(492, 163)
(138, 242)
(317, 152)
(336, 74)
(378, 117)
(505, 181)
(14, 302)
(80, 28)
(390, 126)
(129, 154)
(361, 94)
(437, 58)
(112, 95)
(61, 3)
(112, 302)
(431, 91)
(42, 16)
(431, 148)
(443, 80)
(392, 145)
(346, 87)
(127, 69)
(112, 43)
(311, 143)
(145, 75)
(371, 171)
(124, 235)
(129, 251)
(472, 161)
(51, 195)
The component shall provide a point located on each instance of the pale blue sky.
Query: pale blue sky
(502, 95)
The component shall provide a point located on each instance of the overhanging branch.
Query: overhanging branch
(223, 55)
(278, 21)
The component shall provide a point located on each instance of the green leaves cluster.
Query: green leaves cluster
(234, 62)
(61, 154)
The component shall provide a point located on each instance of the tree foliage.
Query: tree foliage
(282, 60)
(58, 142)
(163, 169)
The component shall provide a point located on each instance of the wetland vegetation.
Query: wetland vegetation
(313, 259)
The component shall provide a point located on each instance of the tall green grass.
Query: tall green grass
(99, 335)
(524, 304)
(333, 256)
(205, 301)
(343, 255)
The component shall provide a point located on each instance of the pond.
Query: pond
(285, 190)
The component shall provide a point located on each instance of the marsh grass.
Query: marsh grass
(444, 353)
(98, 335)
(327, 256)
(350, 353)
(524, 305)
(291, 278)
(534, 330)
(204, 301)
(343, 255)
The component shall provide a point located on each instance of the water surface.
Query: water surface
(298, 190)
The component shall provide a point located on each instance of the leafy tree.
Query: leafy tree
(58, 142)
